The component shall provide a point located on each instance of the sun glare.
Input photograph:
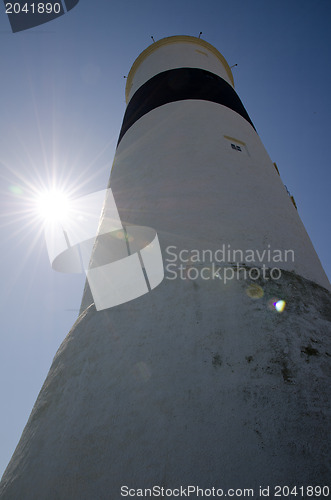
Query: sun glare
(53, 206)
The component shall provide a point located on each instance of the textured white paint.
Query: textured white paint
(193, 383)
(176, 172)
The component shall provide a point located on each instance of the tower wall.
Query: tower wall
(195, 383)
(176, 170)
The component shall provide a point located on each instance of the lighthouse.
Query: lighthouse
(218, 379)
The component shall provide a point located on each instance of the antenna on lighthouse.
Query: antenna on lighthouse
(200, 34)
(233, 65)
(152, 38)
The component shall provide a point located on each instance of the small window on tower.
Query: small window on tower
(236, 144)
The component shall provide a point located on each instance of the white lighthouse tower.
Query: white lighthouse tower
(206, 381)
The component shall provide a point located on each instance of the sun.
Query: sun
(53, 206)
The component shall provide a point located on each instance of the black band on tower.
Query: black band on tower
(179, 85)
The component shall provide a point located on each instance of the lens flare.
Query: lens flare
(254, 291)
(276, 304)
(280, 305)
(16, 190)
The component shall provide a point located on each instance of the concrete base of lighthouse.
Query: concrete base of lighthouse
(214, 390)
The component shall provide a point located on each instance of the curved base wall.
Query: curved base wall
(215, 390)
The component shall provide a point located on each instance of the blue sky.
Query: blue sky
(62, 103)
